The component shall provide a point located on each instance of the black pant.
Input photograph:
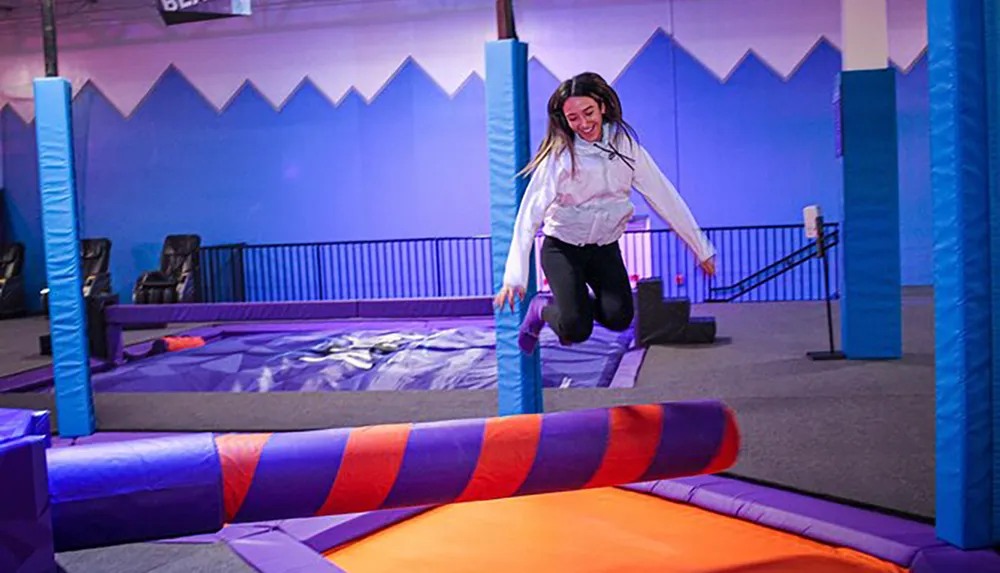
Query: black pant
(570, 269)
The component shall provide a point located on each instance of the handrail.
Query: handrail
(782, 266)
(462, 266)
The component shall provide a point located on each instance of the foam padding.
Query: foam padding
(991, 27)
(67, 314)
(25, 518)
(594, 531)
(16, 424)
(871, 290)
(138, 490)
(277, 552)
(160, 488)
(132, 314)
(348, 528)
(519, 376)
(899, 541)
(327, 472)
(966, 482)
(668, 320)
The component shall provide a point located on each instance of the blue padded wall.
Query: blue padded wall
(960, 134)
(751, 149)
(519, 377)
(871, 284)
(60, 230)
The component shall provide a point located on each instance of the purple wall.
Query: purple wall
(751, 150)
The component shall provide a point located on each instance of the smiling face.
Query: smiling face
(584, 115)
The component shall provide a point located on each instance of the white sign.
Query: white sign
(811, 214)
(175, 5)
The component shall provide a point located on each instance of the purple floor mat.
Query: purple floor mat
(442, 354)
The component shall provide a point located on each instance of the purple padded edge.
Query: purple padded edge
(276, 552)
(41, 376)
(226, 534)
(16, 424)
(105, 437)
(889, 538)
(428, 307)
(325, 533)
(227, 311)
(320, 534)
(305, 310)
(628, 369)
(314, 326)
(25, 515)
(951, 560)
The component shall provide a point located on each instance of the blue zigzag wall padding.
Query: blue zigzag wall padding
(751, 150)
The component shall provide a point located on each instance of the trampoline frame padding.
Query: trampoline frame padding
(134, 491)
(519, 376)
(25, 515)
(112, 493)
(906, 543)
(60, 230)
(117, 317)
(961, 40)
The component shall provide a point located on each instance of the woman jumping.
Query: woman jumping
(583, 172)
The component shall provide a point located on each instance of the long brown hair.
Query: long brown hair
(559, 135)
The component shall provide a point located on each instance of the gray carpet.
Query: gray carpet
(154, 558)
(19, 348)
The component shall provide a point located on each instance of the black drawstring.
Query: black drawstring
(613, 152)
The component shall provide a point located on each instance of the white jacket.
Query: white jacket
(594, 207)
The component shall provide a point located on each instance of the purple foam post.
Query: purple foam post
(115, 341)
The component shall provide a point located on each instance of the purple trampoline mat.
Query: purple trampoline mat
(439, 354)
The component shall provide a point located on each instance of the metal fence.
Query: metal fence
(462, 267)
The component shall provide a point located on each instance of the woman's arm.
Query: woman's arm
(540, 193)
(663, 197)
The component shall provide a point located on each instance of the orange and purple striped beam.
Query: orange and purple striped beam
(276, 476)
(159, 488)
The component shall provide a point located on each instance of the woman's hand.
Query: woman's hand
(708, 266)
(506, 296)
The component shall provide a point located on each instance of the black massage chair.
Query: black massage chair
(95, 262)
(176, 279)
(12, 297)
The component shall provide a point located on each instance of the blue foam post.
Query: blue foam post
(67, 315)
(964, 310)
(519, 377)
(991, 28)
(871, 289)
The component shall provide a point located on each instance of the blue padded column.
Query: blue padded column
(519, 377)
(960, 164)
(871, 289)
(992, 52)
(68, 321)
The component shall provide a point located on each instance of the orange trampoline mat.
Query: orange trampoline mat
(599, 530)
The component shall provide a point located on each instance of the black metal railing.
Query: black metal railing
(774, 270)
(462, 267)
